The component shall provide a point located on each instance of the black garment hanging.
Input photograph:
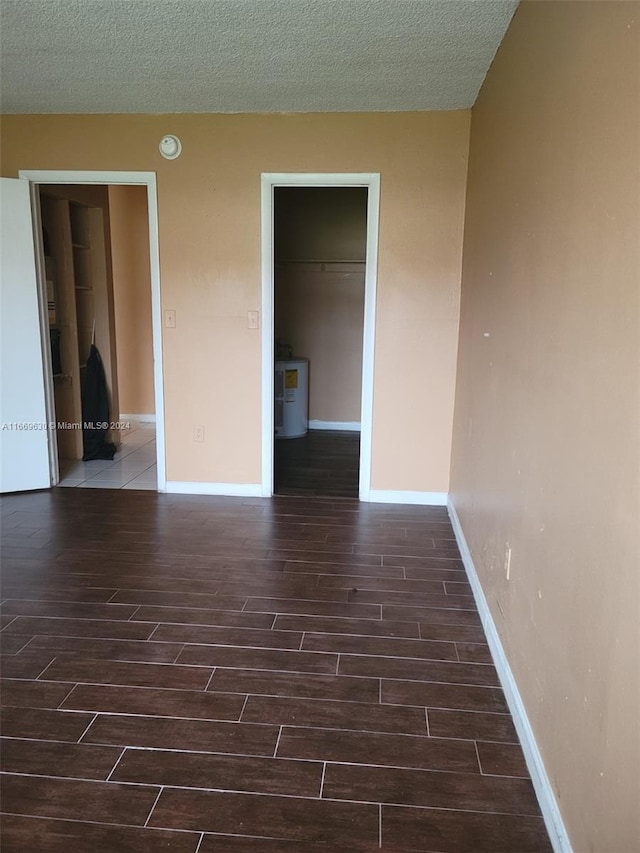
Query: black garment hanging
(95, 410)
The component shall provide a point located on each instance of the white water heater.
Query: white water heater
(291, 397)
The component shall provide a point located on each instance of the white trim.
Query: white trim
(267, 354)
(542, 786)
(383, 496)
(369, 336)
(270, 180)
(234, 490)
(138, 419)
(346, 426)
(148, 179)
(43, 312)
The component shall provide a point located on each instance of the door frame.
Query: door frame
(269, 181)
(39, 177)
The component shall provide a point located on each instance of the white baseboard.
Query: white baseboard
(348, 426)
(139, 419)
(233, 490)
(546, 798)
(382, 496)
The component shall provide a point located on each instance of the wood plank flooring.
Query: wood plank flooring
(215, 674)
(321, 463)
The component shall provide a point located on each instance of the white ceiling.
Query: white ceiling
(172, 56)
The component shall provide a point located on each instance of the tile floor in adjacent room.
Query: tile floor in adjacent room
(207, 674)
(133, 466)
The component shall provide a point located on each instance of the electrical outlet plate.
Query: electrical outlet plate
(253, 319)
(198, 433)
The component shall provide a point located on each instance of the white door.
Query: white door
(24, 456)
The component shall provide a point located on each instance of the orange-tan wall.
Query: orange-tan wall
(320, 314)
(320, 224)
(209, 215)
(546, 435)
(132, 298)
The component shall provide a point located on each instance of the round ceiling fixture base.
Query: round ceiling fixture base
(170, 147)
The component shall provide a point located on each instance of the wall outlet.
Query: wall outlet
(170, 319)
(507, 561)
(198, 433)
(253, 319)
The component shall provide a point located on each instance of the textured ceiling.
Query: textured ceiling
(166, 56)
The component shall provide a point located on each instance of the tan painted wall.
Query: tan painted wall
(320, 224)
(132, 298)
(546, 437)
(320, 313)
(209, 213)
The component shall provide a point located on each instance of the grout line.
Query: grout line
(275, 751)
(133, 615)
(19, 652)
(112, 597)
(116, 764)
(455, 645)
(152, 633)
(95, 717)
(244, 705)
(61, 703)
(285, 759)
(338, 665)
(475, 743)
(154, 805)
(380, 691)
(324, 770)
(38, 677)
(426, 719)
(199, 845)
(425, 808)
(380, 825)
(175, 660)
(206, 687)
(301, 641)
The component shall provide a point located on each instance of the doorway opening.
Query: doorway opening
(98, 271)
(319, 255)
(320, 240)
(96, 260)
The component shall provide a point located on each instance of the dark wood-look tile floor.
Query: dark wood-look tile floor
(210, 674)
(321, 463)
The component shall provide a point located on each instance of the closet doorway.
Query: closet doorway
(320, 240)
(97, 264)
(319, 278)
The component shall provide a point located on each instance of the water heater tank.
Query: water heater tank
(291, 397)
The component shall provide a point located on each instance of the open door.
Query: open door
(24, 455)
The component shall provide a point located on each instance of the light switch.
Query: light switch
(253, 318)
(170, 319)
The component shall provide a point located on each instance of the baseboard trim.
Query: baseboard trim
(347, 426)
(232, 490)
(383, 496)
(139, 419)
(544, 792)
